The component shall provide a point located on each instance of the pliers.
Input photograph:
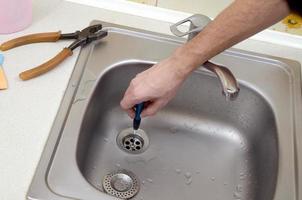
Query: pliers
(82, 38)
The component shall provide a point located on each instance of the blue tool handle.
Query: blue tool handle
(138, 110)
(1, 59)
(137, 119)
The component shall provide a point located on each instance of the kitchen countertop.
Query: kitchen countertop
(28, 108)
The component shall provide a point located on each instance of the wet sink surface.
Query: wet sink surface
(200, 145)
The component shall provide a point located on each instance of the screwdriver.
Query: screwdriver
(137, 119)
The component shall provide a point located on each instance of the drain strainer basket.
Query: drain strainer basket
(122, 184)
(133, 143)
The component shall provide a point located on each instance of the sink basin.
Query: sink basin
(199, 145)
(218, 145)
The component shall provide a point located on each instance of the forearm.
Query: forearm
(239, 21)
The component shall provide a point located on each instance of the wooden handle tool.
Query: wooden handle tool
(47, 66)
(28, 39)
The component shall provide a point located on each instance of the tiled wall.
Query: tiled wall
(207, 7)
(149, 2)
(210, 8)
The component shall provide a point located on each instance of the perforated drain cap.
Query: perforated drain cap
(133, 142)
(122, 184)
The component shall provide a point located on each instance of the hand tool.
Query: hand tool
(83, 37)
(3, 81)
(137, 119)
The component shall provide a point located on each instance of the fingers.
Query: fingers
(129, 101)
(126, 104)
(131, 113)
(153, 108)
(133, 95)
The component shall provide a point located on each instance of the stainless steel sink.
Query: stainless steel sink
(199, 147)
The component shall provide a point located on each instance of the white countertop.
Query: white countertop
(28, 108)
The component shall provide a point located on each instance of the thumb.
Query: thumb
(128, 102)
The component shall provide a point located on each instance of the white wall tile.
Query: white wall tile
(208, 7)
(149, 2)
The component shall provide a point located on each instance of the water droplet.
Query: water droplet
(197, 172)
(141, 198)
(118, 165)
(213, 178)
(189, 181)
(173, 130)
(149, 180)
(143, 182)
(241, 176)
(94, 167)
(225, 183)
(236, 195)
(79, 100)
(239, 188)
(188, 175)
(178, 171)
(106, 139)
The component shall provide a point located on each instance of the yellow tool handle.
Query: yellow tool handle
(28, 39)
(47, 66)
(3, 81)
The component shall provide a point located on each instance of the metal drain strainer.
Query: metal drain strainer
(132, 142)
(122, 184)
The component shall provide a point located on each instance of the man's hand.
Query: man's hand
(156, 86)
(243, 18)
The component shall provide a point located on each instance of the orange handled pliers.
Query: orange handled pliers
(82, 38)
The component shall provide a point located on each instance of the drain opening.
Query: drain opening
(122, 184)
(132, 142)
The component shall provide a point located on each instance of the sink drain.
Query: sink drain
(122, 184)
(132, 142)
